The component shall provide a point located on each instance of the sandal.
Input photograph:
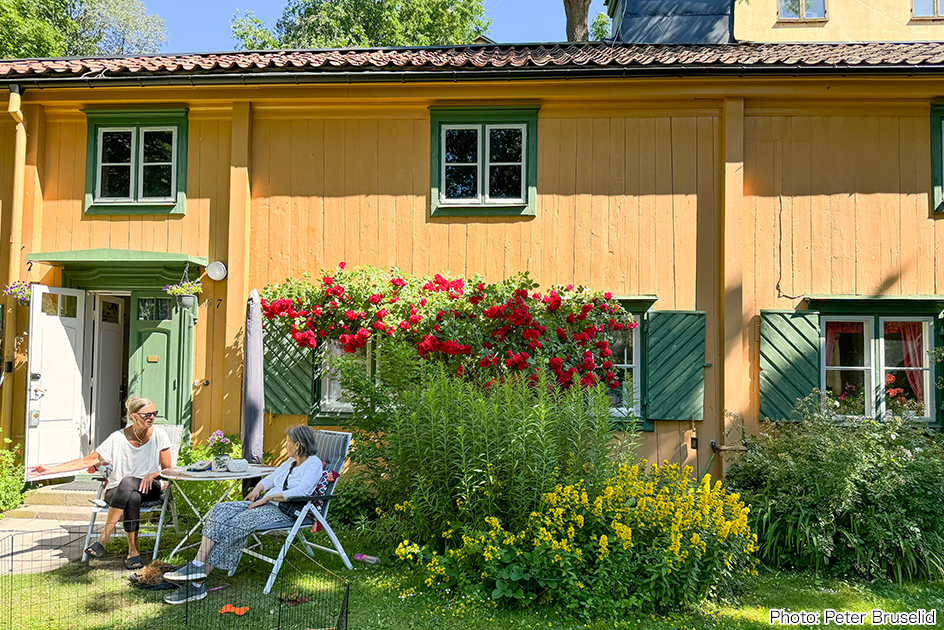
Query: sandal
(134, 562)
(95, 550)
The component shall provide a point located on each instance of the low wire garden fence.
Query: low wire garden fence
(45, 585)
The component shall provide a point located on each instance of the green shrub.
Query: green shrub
(851, 497)
(453, 452)
(11, 477)
(649, 538)
(205, 494)
(353, 502)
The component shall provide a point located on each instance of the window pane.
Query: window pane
(156, 181)
(924, 8)
(69, 306)
(164, 309)
(504, 182)
(111, 313)
(815, 9)
(146, 309)
(904, 344)
(158, 146)
(845, 344)
(462, 146)
(461, 182)
(904, 393)
(116, 181)
(116, 147)
(622, 348)
(790, 9)
(622, 397)
(50, 304)
(504, 145)
(847, 389)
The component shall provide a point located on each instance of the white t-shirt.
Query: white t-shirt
(301, 483)
(132, 461)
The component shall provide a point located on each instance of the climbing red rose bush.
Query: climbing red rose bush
(477, 329)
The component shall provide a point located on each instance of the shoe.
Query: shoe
(134, 562)
(187, 573)
(189, 592)
(95, 550)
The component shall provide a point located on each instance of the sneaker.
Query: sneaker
(187, 573)
(189, 592)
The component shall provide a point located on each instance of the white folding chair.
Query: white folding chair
(162, 504)
(331, 448)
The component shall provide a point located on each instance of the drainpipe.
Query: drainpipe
(13, 271)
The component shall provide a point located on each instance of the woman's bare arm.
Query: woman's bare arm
(92, 459)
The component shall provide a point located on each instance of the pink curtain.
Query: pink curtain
(834, 328)
(912, 346)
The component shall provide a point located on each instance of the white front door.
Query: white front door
(107, 366)
(56, 413)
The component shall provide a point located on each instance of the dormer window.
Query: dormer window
(803, 10)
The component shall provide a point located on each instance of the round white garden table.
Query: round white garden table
(180, 473)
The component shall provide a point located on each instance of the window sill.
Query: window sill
(481, 210)
(105, 208)
(789, 21)
(926, 19)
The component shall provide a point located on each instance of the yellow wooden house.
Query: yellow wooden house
(769, 211)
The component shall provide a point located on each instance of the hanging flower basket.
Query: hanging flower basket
(21, 290)
(185, 292)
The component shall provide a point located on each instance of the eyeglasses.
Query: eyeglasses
(150, 415)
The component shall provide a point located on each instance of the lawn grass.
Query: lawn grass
(389, 597)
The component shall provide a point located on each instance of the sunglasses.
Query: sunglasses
(150, 415)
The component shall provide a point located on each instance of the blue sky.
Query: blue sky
(203, 25)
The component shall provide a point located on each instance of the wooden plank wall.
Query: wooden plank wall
(6, 192)
(838, 204)
(626, 204)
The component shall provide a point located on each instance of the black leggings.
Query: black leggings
(125, 496)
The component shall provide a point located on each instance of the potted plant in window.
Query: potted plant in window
(20, 290)
(186, 292)
(220, 448)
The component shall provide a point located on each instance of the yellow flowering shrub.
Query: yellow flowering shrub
(650, 538)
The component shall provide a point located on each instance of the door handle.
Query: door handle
(35, 376)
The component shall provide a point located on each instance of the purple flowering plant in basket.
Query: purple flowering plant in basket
(20, 290)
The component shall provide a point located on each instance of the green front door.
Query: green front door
(161, 354)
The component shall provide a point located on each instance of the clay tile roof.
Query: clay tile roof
(505, 58)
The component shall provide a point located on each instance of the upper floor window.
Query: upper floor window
(926, 9)
(802, 10)
(484, 161)
(136, 162)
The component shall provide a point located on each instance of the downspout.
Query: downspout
(13, 271)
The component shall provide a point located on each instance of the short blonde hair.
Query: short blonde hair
(136, 404)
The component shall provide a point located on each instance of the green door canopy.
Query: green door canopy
(789, 360)
(118, 269)
(675, 369)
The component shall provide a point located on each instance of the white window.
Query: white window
(626, 359)
(875, 367)
(136, 164)
(803, 9)
(333, 398)
(483, 164)
(926, 9)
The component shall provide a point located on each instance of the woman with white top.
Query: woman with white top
(229, 524)
(137, 454)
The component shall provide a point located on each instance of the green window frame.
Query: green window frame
(486, 124)
(141, 136)
(937, 157)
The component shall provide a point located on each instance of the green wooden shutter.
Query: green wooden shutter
(675, 365)
(289, 373)
(789, 360)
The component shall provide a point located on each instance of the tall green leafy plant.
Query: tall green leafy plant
(850, 497)
(455, 453)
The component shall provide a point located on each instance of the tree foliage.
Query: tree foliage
(600, 29)
(364, 23)
(56, 28)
